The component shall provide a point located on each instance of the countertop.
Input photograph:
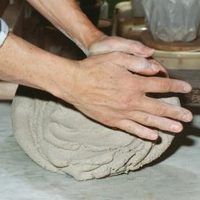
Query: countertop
(176, 176)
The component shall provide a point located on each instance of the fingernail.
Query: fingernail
(187, 117)
(154, 67)
(176, 128)
(187, 88)
(154, 136)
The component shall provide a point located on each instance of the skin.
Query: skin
(82, 31)
(108, 88)
(117, 98)
(102, 86)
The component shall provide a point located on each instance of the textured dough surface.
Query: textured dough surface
(63, 140)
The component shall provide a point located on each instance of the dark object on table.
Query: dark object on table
(92, 9)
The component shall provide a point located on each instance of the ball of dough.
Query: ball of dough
(63, 140)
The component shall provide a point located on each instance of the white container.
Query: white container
(173, 20)
(104, 10)
(137, 7)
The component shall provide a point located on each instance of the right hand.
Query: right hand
(105, 90)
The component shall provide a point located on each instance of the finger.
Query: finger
(160, 67)
(134, 47)
(160, 108)
(165, 85)
(161, 123)
(118, 44)
(137, 129)
(138, 49)
(137, 64)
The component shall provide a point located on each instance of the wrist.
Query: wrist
(97, 44)
(61, 79)
(95, 37)
(26, 64)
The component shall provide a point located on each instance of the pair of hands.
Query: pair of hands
(106, 90)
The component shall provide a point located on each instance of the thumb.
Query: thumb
(118, 44)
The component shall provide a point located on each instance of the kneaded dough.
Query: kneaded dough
(63, 140)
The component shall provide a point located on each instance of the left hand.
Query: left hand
(108, 44)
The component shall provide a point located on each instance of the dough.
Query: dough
(63, 140)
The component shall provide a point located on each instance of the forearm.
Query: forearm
(68, 18)
(26, 64)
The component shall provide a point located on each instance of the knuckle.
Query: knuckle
(123, 125)
(161, 111)
(135, 45)
(119, 125)
(125, 105)
(129, 57)
(167, 85)
(110, 121)
(117, 55)
(163, 84)
(126, 102)
(143, 63)
(107, 121)
(148, 119)
(177, 113)
(138, 44)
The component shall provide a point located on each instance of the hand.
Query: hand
(105, 90)
(108, 44)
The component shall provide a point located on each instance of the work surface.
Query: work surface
(176, 176)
